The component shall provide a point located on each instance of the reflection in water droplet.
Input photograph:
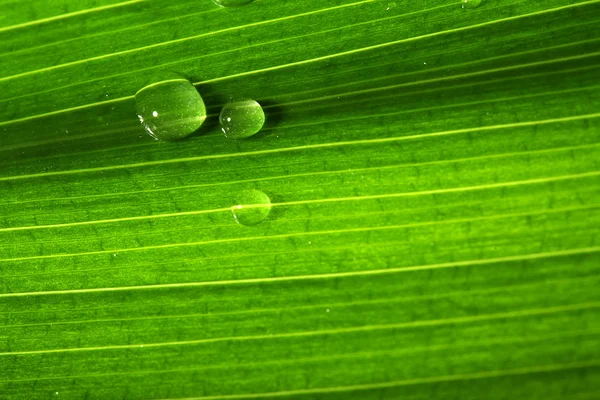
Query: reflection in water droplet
(251, 207)
(242, 119)
(170, 110)
(232, 3)
(470, 3)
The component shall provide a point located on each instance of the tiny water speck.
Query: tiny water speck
(251, 207)
(242, 119)
(232, 3)
(170, 110)
(471, 3)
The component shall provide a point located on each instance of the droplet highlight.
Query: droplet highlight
(242, 119)
(251, 207)
(471, 3)
(232, 3)
(170, 110)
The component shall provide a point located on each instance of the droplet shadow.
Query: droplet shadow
(277, 212)
(273, 114)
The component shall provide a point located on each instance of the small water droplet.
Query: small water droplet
(232, 3)
(470, 3)
(170, 110)
(242, 119)
(327, 310)
(251, 207)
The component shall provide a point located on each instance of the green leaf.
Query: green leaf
(434, 178)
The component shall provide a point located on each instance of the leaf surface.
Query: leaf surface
(435, 184)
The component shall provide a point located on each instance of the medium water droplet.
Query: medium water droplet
(470, 3)
(242, 119)
(170, 110)
(232, 3)
(251, 207)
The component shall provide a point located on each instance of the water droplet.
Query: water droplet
(251, 207)
(242, 119)
(232, 3)
(470, 3)
(170, 110)
(327, 310)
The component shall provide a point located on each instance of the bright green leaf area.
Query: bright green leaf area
(434, 173)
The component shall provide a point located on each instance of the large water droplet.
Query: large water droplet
(470, 3)
(242, 119)
(170, 110)
(232, 3)
(251, 207)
